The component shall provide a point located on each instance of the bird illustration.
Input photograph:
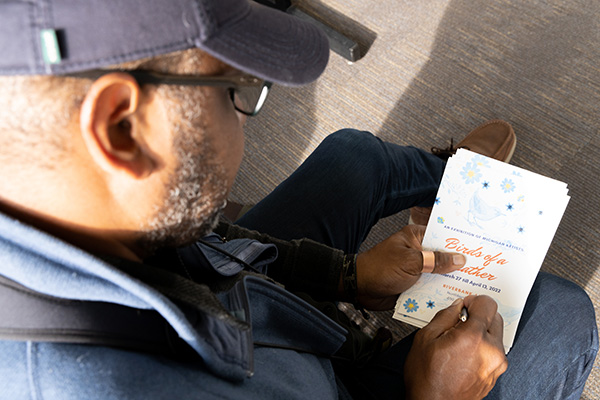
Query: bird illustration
(479, 210)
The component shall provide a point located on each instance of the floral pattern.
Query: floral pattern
(411, 305)
(481, 161)
(508, 185)
(470, 173)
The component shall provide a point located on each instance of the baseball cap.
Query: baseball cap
(53, 37)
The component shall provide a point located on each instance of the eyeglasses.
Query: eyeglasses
(248, 93)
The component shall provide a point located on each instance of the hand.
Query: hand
(394, 265)
(450, 359)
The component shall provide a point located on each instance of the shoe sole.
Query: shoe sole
(512, 151)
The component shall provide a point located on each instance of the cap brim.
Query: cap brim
(272, 45)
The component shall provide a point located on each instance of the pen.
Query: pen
(464, 315)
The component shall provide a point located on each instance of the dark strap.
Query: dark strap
(27, 315)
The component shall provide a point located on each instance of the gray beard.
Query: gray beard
(197, 192)
(196, 196)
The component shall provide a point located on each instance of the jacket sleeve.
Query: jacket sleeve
(302, 265)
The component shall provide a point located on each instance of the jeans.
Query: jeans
(351, 181)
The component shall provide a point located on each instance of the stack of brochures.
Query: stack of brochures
(503, 219)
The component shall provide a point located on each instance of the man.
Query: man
(112, 180)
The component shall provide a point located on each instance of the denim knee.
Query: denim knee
(397, 173)
(577, 341)
(351, 148)
(556, 344)
(353, 143)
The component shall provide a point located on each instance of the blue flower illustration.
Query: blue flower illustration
(411, 305)
(481, 161)
(430, 304)
(485, 185)
(437, 200)
(509, 207)
(521, 229)
(508, 185)
(470, 173)
(440, 220)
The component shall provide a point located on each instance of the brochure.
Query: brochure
(503, 219)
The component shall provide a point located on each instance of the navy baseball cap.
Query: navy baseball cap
(53, 37)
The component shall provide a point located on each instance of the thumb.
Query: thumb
(439, 262)
(444, 319)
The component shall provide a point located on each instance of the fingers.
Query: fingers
(430, 371)
(496, 330)
(482, 310)
(433, 262)
(441, 262)
(444, 319)
(484, 316)
(418, 231)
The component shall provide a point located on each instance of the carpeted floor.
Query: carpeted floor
(435, 69)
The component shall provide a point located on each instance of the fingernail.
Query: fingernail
(456, 302)
(459, 259)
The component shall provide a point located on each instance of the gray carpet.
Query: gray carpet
(435, 69)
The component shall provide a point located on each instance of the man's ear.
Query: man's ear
(109, 123)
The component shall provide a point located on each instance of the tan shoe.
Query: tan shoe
(495, 139)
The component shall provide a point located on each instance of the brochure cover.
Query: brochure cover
(503, 219)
